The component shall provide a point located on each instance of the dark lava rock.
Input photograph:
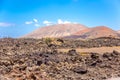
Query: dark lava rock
(107, 56)
(52, 45)
(39, 63)
(80, 70)
(60, 40)
(72, 52)
(33, 61)
(115, 53)
(94, 55)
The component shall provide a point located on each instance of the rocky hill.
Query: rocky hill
(59, 30)
(95, 32)
(118, 31)
(77, 31)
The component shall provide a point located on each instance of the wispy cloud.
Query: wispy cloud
(4, 24)
(37, 25)
(32, 21)
(63, 22)
(28, 22)
(67, 22)
(35, 20)
(47, 23)
(60, 21)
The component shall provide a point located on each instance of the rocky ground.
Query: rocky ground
(90, 43)
(38, 59)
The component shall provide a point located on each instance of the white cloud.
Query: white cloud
(67, 22)
(60, 21)
(35, 20)
(3, 24)
(47, 23)
(63, 22)
(28, 22)
(37, 25)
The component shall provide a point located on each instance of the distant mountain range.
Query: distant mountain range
(72, 31)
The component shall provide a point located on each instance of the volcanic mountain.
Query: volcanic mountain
(59, 30)
(95, 32)
(118, 31)
(72, 31)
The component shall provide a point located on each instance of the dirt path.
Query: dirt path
(96, 50)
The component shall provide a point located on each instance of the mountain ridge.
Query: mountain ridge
(59, 30)
(98, 31)
(72, 31)
(118, 31)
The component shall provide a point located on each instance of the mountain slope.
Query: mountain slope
(99, 31)
(72, 31)
(118, 31)
(59, 30)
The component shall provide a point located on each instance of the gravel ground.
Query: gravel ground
(33, 59)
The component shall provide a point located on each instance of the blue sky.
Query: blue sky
(19, 17)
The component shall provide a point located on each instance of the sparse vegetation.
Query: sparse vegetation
(32, 59)
(48, 40)
(52, 42)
